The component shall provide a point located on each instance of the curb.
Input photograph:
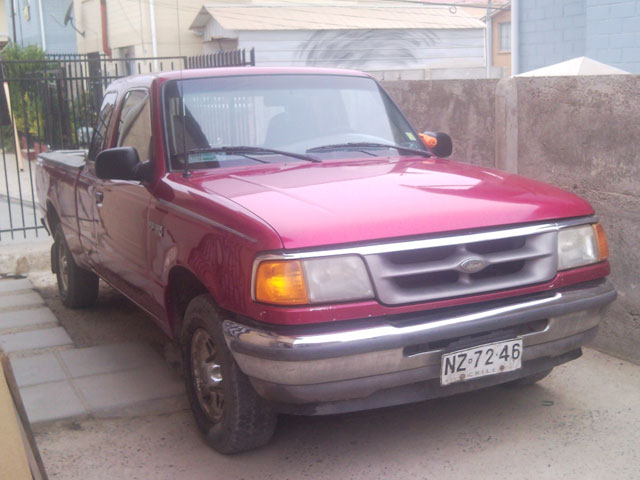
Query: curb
(27, 203)
(22, 257)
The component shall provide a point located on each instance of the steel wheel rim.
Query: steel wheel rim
(63, 267)
(207, 374)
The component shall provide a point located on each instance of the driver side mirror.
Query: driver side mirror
(438, 143)
(122, 163)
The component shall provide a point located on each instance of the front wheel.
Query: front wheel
(226, 408)
(78, 287)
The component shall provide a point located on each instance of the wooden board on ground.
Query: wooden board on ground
(19, 455)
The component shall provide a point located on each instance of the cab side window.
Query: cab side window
(104, 118)
(134, 126)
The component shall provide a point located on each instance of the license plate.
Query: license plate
(489, 359)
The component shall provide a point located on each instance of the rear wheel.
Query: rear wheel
(226, 408)
(78, 287)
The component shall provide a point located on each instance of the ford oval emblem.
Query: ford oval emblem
(472, 265)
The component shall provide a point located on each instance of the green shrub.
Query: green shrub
(25, 97)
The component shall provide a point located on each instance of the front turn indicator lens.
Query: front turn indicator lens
(601, 241)
(281, 282)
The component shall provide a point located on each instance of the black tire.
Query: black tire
(529, 380)
(78, 287)
(231, 415)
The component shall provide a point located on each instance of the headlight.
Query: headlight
(313, 280)
(583, 245)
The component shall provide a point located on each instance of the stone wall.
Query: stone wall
(580, 133)
(465, 108)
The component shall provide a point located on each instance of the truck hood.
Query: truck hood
(338, 202)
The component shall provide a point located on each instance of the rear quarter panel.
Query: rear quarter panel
(56, 177)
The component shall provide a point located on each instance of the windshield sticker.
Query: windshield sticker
(202, 157)
(410, 136)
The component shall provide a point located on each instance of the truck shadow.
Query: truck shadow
(113, 319)
(467, 423)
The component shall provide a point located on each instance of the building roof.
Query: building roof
(331, 17)
(475, 8)
(575, 66)
(146, 79)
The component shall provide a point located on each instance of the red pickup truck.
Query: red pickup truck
(311, 252)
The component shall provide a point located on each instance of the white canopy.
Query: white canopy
(575, 66)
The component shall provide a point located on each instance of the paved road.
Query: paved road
(582, 422)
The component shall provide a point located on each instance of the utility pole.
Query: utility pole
(13, 21)
(489, 30)
(154, 41)
(515, 37)
(43, 36)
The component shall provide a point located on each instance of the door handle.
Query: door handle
(99, 196)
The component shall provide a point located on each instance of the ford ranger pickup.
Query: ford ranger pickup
(311, 252)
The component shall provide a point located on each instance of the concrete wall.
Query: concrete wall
(583, 134)
(552, 31)
(463, 108)
(580, 133)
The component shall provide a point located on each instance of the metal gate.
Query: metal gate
(52, 104)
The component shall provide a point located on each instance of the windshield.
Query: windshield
(288, 113)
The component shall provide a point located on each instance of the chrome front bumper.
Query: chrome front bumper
(306, 365)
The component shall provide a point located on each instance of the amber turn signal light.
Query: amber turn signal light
(601, 240)
(428, 140)
(281, 282)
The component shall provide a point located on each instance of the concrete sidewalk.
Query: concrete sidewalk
(59, 382)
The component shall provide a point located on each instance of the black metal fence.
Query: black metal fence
(52, 104)
(234, 58)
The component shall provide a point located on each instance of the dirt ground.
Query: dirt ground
(582, 422)
(113, 319)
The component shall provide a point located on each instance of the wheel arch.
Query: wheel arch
(182, 287)
(53, 219)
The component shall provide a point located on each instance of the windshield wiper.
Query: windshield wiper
(242, 149)
(357, 145)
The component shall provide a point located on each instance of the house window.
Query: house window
(128, 66)
(504, 33)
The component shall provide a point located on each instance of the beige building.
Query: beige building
(137, 28)
(390, 40)
(4, 25)
(501, 39)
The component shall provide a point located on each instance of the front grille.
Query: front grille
(440, 272)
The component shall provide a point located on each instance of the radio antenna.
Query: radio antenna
(186, 173)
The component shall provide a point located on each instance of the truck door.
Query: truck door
(87, 198)
(122, 230)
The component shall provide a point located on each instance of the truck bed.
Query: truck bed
(70, 158)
